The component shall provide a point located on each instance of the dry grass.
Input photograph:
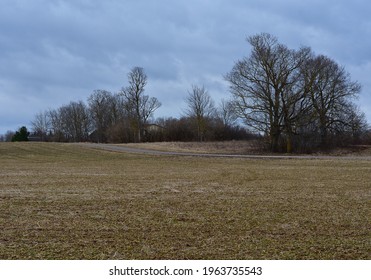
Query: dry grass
(62, 201)
(219, 147)
(252, 147)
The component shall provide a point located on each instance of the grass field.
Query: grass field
(64, 201)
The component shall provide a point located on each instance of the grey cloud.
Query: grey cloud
(55, 51)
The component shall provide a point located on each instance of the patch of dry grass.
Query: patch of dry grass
(251, 147)
(62, 201)
(219, 147)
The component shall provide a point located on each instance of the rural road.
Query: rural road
(119, 148)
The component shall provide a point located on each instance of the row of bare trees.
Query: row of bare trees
(108, 117)
(297, 99)
(126, 116)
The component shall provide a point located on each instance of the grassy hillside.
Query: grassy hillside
(63, 201)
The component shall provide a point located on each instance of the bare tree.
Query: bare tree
(101, 107)
(283, 93)
(9, 135)
(329, 89)
(71, 122)
(41, 125)
(265, 88)
(227, 113)
(56, 125)
(294, 103)
(200, 108)
(139, 106)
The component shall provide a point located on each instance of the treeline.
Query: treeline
(127, 116)
(293, 100)
(77, 122)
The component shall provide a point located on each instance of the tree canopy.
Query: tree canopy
(293, 97)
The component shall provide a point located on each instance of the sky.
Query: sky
(53, 52)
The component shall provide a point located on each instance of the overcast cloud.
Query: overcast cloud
(53, 52)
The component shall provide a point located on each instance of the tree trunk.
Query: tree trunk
(274, 136)
(323, 133)
(289, 143)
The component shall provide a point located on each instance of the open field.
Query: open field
(65, 201)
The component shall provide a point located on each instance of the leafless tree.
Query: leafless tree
(200, 108)
(284, 93)
(8, 136)
(227, 113)
(71, 122)
(329, 88)
(139, 106)
(56, 125)
(265, 88)
(41, 124)
(103, 110)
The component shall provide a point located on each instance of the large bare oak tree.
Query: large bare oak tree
(279, 91)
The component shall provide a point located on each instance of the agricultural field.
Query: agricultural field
(70, 201)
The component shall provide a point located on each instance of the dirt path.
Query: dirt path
(117, 148)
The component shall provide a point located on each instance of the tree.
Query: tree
(286, 94)
(9, 136)
(139, 106)
(21, 135)
(265, 87)
(71, 122)
(329, 89)
(200, 108)
(227, 113)
(351, 126)
(56, 125)
(41, 125)
(77, 121)
(102, 109)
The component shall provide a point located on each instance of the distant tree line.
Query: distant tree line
(127, 116)
(293, 100)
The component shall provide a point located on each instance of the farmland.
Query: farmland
(68, 201)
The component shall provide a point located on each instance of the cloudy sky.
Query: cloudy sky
(56, 51)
